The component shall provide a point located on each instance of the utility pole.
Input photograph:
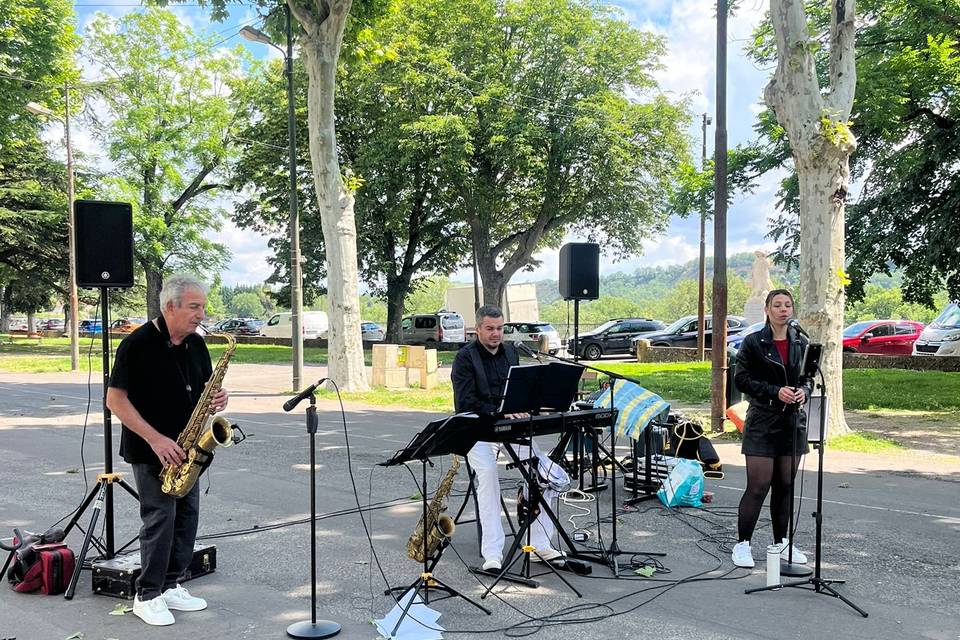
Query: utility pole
(718, 349)
(701, 299)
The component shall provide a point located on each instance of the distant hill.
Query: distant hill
(648, 283)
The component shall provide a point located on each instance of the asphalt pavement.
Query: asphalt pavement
(889, 531)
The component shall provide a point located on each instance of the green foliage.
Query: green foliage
(245, 305)
(168, 131)
(33, 225)
(428, 296)
(901, 389)
(906, 113)
(37, 42)
(864, 442)
(880, 304)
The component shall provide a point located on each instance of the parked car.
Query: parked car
(240, 326)
(942, 336)
(734, 341)
(531, 332)
(312, 325)
(54, 324)
(126, 325)
(883, 337)
(429, 328)
(90, 327)
(683, 332)
(372, 332)
(613, 336)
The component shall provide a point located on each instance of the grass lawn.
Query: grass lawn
(53, 355)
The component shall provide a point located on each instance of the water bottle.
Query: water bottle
(773, 565)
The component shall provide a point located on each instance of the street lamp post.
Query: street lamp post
(701, 312)
(73, 299)
(296, 277)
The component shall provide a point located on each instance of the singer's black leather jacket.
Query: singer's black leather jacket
(761, 373)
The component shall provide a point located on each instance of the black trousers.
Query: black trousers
(167, 533)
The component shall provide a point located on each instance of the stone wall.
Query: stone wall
(850, 360)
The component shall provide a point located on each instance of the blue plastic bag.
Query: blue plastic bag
(683, 486)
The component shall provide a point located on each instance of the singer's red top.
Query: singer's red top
(782, 347)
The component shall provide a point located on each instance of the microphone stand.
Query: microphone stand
(610, 553)
(313, 628)
(817, 582)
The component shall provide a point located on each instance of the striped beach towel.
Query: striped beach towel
(637, 407)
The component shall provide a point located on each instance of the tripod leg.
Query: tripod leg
(83, 507)
(129, 489)
(557, 573)
(6, 564)
(97, 506)
(824, 587)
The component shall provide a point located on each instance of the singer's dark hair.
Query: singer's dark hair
(777, 292)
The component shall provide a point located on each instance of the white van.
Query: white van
(942, 336)
(312, 324)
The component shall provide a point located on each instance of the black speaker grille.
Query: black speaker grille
(104, 241)
(580, 271)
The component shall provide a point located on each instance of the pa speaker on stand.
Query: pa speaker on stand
(103, 232)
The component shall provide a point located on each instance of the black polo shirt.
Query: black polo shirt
(163, 381)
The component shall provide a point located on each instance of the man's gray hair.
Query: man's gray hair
(488, 311)
(175, 286)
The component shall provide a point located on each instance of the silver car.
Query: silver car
(531, 332)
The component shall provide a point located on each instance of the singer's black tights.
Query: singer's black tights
(766, 474)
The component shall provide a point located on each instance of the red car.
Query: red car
(882, 337)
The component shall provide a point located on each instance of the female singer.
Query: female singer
(768, 371)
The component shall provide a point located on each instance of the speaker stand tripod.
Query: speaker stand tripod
(103, 489)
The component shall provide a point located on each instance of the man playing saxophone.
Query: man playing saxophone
(158, 378)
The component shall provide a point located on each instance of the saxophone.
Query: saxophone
(203, 433)
(437, 526)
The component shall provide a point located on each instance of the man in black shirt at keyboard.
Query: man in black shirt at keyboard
(479, 373)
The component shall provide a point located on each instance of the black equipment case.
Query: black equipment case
(117, 577)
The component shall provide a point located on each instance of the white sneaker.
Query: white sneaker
(179, 599)
(153, 611)
(546, 555)
(491, 564)
(742, 555)
(799, 557)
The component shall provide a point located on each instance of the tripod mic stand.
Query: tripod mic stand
(817, 583)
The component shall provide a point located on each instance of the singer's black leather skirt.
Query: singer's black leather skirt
(771, 438)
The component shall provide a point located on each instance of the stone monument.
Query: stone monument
(760, 286)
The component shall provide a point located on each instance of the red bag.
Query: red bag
(50, 572)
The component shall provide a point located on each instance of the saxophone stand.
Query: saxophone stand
(455, 434)
(427, 580)
(311, 628)
(817, 583)
(102, 490)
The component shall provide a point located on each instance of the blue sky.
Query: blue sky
(690, 29)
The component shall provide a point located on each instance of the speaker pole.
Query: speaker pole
(107, 427)
(576, 329)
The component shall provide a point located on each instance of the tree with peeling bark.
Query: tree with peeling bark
(816, 121)
(322, 24)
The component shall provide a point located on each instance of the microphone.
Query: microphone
(795, 324)
(306, 393)
(527, 350)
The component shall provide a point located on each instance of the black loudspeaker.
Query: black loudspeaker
(104, 240)
(580, 271)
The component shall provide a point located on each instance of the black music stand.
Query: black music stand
(455, 434)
